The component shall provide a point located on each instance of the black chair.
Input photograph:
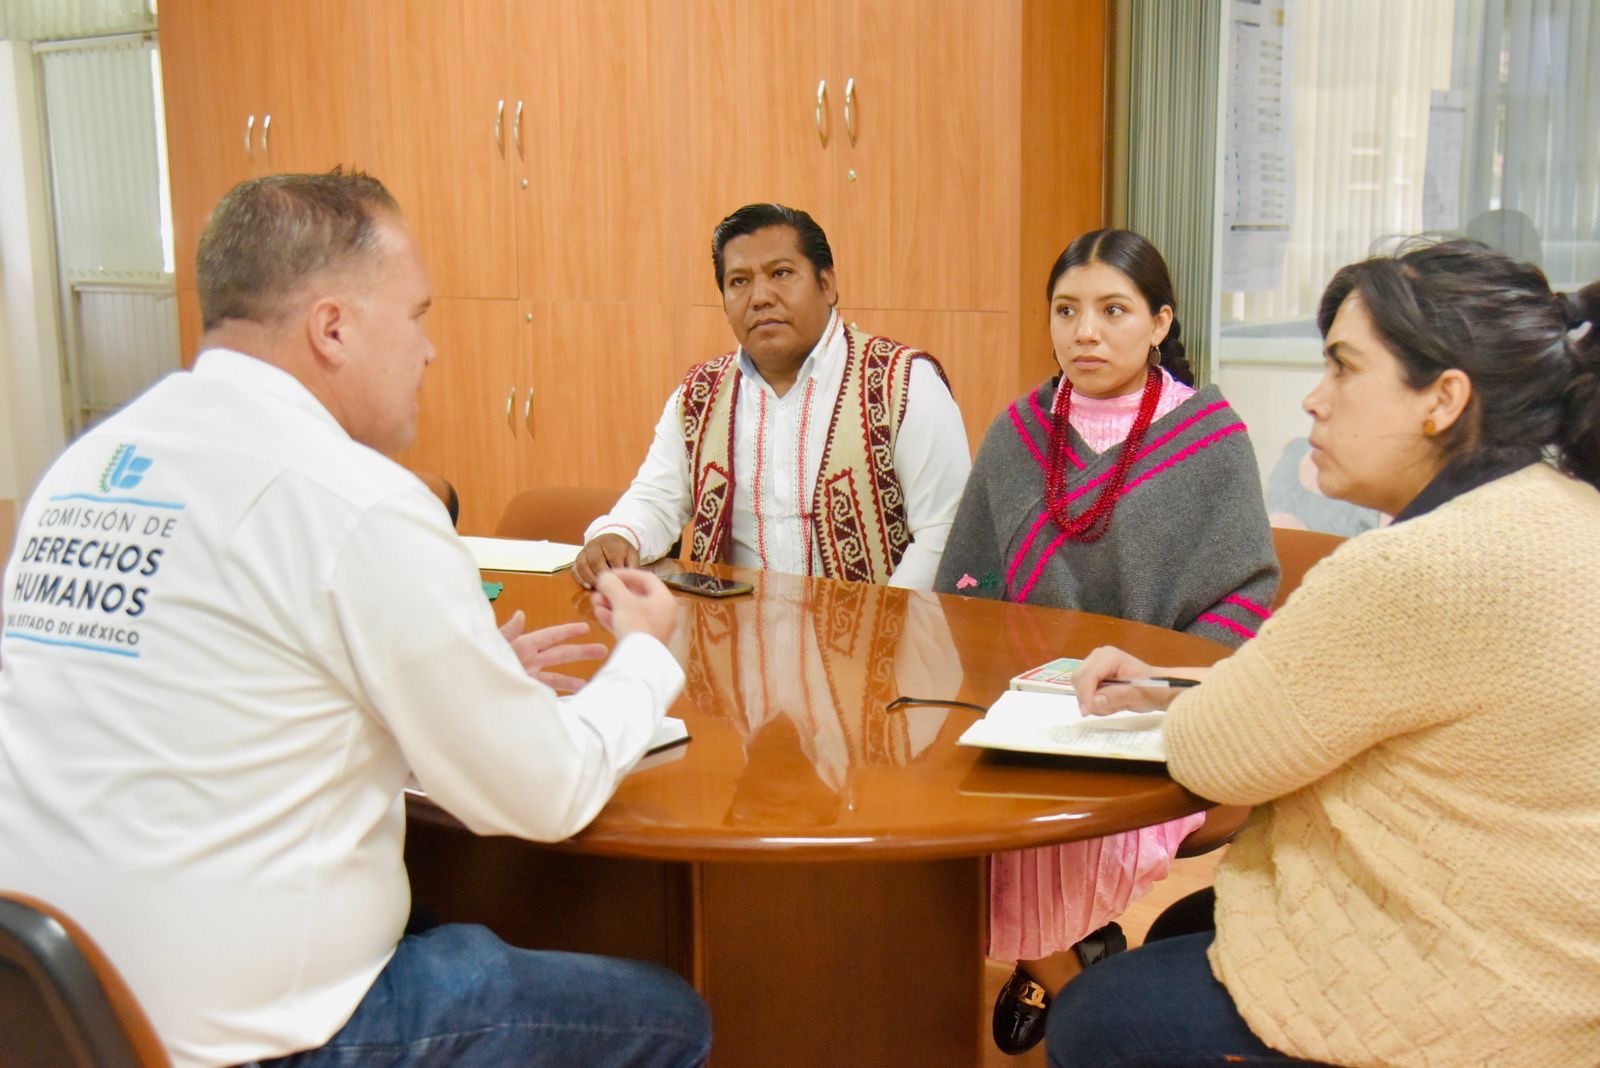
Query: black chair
(62, 1003)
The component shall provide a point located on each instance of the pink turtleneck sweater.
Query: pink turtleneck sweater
(1104, 422)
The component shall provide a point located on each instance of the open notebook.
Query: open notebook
(516, 554)
(1051, 724)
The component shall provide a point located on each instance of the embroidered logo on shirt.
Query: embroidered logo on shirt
(966, 582)
(125, 470)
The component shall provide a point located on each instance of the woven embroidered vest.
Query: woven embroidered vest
(858, 508)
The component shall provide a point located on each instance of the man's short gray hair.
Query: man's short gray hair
(268, 236)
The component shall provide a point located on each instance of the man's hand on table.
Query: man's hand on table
(605, 552)
(549, 647)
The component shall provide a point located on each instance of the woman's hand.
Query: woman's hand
(1097, 697)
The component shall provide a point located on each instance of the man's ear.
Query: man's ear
(325, 326)
(829, 286)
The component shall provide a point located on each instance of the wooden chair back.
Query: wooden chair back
(442, 489)
(1298, 551)
(555, 513)
(62, 1001)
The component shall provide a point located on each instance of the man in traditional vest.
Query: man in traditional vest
(813, 448)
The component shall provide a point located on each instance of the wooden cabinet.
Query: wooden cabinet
(762, 121)
(598, 178)
(563, 165)
(256, 89)
(931, 166)
(445, 123)
(472, 424)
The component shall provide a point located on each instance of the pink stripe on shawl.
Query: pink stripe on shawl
(1226, 624)
(1047, 426)
(1247, 604)
(1016, 421)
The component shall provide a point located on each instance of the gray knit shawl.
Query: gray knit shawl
(1188, 547)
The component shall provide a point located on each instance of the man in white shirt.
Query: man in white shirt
(234, 630)
(814, 448)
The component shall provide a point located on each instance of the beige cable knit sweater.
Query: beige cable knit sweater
(1421, 726)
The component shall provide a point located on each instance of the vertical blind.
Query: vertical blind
(52, 20)
(101, 117)
(1364, 80)
(1170, 185)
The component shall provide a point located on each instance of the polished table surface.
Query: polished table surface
(813, 861)
(796, 755)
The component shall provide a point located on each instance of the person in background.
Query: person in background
(1417, 725)
(1113, 488)
(813, 448)
(234, 631)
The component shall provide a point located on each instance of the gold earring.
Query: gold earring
(1428, 428)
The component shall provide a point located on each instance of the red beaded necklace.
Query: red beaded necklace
(1092, 524)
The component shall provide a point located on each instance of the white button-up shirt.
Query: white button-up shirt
(777, 452)
(232, 634)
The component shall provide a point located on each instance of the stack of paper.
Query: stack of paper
(514, 554)
(1026, 722)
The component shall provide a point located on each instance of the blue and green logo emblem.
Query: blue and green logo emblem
(125, 471)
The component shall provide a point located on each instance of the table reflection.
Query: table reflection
(804, 674)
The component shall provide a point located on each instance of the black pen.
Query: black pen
(1167, 681)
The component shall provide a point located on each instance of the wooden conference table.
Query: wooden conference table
(812, 860)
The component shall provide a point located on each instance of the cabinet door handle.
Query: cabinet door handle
(511, 400)
(527, 413)
(822, 111)
(516, 128)
(499, 120)
(249, 127)
(849, 109)
(266, 124)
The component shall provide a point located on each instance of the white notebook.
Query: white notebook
(1024, 722)
(515, 554)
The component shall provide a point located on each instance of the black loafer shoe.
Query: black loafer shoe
(1098, 945)
(1019, 1014)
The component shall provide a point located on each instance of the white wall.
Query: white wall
(1265, 378)
(31, 420)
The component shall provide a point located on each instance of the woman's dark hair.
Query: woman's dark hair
(752, 217)
(1533, 356)
(1136, 257)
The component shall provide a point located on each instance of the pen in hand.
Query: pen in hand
(1160, 681)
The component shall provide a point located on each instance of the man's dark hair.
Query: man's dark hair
(753, 217)
(268, 235)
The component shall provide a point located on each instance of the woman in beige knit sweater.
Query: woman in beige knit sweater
(1419, 725)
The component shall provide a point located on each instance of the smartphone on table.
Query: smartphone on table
(706, 585)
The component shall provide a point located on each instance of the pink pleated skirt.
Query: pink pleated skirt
(1044, 900)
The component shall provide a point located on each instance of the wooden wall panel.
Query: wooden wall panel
(928, 212)
(974, 348)
(749, 114)
(211, 78)
(463, 433)
(439, 73)
(1063, 115)
(600, 172)
(601, 373)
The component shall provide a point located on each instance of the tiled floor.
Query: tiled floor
(1187, 876)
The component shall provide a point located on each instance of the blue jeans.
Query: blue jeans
(457, 995)
(1158, 1005)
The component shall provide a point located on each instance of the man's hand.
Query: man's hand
(549, 646)
(634, 602)
(605, 552)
